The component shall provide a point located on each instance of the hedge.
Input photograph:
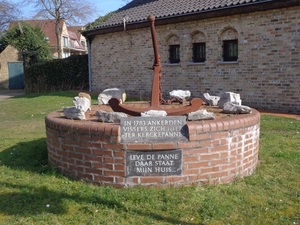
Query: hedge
(59, 74)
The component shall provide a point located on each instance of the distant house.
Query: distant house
(11, 61)
(76, 40)
(249, 47)
(72, 41)
(11, 69)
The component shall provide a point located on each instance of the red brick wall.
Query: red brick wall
(218, 151)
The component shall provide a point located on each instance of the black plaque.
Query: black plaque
(153, 129)
(153, 163)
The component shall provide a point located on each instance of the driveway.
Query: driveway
(5, 94)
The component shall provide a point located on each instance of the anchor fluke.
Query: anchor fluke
(116, 105)
(195, 104)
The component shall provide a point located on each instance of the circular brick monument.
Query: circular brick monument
(154, 151)
(162, 151)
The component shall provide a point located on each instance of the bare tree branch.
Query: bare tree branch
(72, 11)
(8, 12)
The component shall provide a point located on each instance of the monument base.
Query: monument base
(213, 152)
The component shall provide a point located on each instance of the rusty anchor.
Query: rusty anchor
(156, 96)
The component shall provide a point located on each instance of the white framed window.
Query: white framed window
(65, 42)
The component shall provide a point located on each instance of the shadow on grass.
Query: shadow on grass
(33, 199)
(26, 200)
(29, 156)
(30, 200)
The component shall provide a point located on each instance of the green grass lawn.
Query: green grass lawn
(32, 192)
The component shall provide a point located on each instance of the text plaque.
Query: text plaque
(154, 163)
(153, 129)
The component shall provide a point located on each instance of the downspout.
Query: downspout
(89, 64)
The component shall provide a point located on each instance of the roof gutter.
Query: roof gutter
(199, 15)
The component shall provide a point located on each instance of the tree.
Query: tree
(8, 12)
(72, 11)
(27, 39)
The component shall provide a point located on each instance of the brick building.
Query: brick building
(247, 47)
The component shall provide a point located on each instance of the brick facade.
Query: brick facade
(266, 74)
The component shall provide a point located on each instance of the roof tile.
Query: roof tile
(139, 10)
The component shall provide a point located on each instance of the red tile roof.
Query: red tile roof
(73, 36)
(76, 30)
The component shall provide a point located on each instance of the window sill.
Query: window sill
(195, 63)
(227, 62)
(172, 64)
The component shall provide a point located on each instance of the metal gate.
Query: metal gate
(16, 75)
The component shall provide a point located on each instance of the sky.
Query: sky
(103, 7)
(106, 6)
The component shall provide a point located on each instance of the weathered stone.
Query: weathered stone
(133, 163)
(180, 94)
(139, 129)
(232, 108)
(229, 97)
(109, 117)
(154, 113)
(201, 114)
(107, 94)
(74, 113)
(210, 100)
(86, 95)
(82, 103)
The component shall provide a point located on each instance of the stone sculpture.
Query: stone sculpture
(201, 114)
(107, 94)
(210, 100)
(154, 113)
(86, 95)
(109, 117)
(82, 103)
(74, 113)
(233, 108)
(229, 97)
(185, 95)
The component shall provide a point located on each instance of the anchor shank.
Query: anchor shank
(156, 97)
(156, 89)
(151, 19)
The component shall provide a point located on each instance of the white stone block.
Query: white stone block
(154, 113)
(74, 113)
(229, 97)
(182, 94)
(107, 94)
